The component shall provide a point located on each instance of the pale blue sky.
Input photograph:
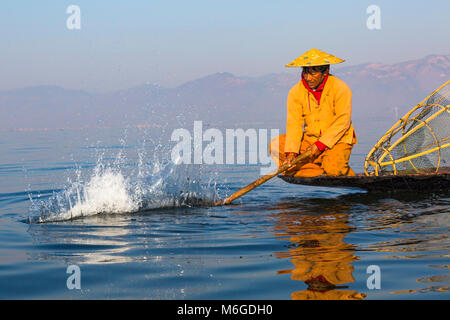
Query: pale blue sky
(122, 44)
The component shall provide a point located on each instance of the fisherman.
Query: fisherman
(319, 109)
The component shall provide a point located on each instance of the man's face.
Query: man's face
(314, 78)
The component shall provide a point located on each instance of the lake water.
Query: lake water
(109, 202)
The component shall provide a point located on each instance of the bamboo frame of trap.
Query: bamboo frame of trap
(401, 126)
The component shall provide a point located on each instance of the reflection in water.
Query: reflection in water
(445, 278)
(207, 249)
(421, 233)
(321, 257)
(404, 226)
(77, 243)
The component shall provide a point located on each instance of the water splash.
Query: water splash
(110, 190)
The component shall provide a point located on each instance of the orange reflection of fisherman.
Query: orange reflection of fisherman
(320, 256)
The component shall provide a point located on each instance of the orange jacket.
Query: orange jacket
(329, 122)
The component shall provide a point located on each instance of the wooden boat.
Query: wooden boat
(425, 182)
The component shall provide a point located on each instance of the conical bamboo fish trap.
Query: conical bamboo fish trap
(418, 143)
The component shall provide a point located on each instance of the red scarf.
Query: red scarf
(318, 92)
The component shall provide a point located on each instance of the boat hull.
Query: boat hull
(430, 182)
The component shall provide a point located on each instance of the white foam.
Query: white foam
(108, 191)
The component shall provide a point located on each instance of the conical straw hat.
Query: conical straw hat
(314, 57)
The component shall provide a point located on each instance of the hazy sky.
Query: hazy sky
(122, 44)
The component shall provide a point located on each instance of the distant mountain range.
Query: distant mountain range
(380, 93)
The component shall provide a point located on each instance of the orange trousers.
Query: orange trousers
(331, 162)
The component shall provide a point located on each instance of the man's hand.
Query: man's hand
(315, 152)
(289, 158)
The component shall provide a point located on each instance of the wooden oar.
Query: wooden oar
(304, 156)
